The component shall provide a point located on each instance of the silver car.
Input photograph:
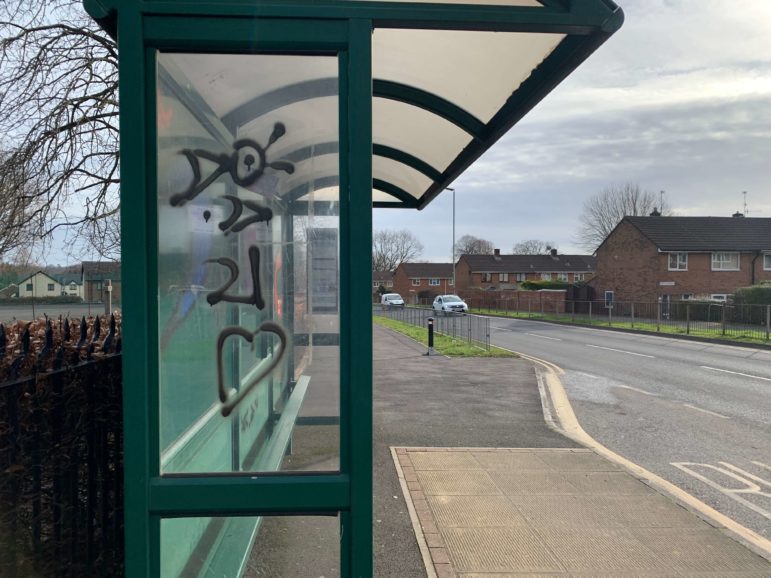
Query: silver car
(449, 304)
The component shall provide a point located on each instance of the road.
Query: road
(10, 313)
(696, 414)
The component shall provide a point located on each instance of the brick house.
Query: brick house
(660, 258)
(94, 277)
(384, 278)
(415, 281)
(498, 271)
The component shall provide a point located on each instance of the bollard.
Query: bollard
(430, 337)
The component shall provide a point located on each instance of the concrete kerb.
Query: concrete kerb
(559, 415)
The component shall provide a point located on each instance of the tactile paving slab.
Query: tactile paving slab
(599, 549)
(456, 483)
(518, 461)
(474, 511)
(443, 461)
(577, 461)
(532, 483)
(498, 549)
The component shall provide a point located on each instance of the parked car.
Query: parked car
(391, 301)
(449, 304)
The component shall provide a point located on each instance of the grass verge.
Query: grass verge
(442, 344)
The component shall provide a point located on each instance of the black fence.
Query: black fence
(61, 446)
(473, 329)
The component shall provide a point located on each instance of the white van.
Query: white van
(391, 300)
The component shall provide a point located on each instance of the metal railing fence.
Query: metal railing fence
(700, 318)
(473, 329)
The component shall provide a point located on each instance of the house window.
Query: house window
(678, 261)
(725, 261)
(521, 276)
(389, 283)
(50, 286)
(375, 284)
(718, 297)
(767, 262)
(433, 282)
(29, 286)
(562, 276)
(451, 281)
(686, 296)
(487, 277)
(98, 285)
(503, 277)
(73, 287)
(546, 276)
(415, 282)
(609, 296)
(578, 276)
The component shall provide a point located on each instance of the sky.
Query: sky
(678, 100)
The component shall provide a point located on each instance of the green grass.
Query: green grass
(442, 344)
(627, 325)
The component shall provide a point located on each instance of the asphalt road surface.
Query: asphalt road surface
(696, 414)
(10, 313)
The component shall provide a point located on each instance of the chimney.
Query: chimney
(655, 212)
(738, 215)
(553, 252)
(497, 254)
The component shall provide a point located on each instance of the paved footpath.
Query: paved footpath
(470, 482)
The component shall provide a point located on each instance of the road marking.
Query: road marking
(621, 351)
(639, 390)
(706, 411)
(750, 487)
(762, 465)
(735, 373)
(544, 337)
(753, 477)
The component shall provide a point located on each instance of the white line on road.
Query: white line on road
(735, 373)
(720, 415)
(621, 351)
(762, 465)
(639, 390)
(544, 337)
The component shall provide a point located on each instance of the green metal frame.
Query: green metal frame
(342, 27)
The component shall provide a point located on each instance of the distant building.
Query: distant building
(659, 258)
(9, 292)
(94, 276)
(415, 281)
(498, 271)
(40, 284)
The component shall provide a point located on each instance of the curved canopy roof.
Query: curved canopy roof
(449, 79)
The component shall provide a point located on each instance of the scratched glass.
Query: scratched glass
(281, 546)
(248, 264)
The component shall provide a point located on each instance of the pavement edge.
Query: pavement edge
(425, 553)
(559, 415)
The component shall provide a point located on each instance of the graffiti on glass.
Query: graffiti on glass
(245, 164)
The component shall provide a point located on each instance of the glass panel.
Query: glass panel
(451, 63)
(248, 263)
(285, 546)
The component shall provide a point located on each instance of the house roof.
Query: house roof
(705, 233)
(99, 270)
(38, 273)
(530, 263)
(382, 275)
(430, 270)
(67, 278)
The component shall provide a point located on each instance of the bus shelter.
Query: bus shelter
(256, 136)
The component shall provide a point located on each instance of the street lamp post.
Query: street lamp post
(454, 288)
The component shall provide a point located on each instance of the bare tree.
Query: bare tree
(390, 248)
(471, 245)
(59, 112)
(13, 209)
(603, 211)
(533, 247)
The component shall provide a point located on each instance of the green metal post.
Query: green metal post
(356, 321)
